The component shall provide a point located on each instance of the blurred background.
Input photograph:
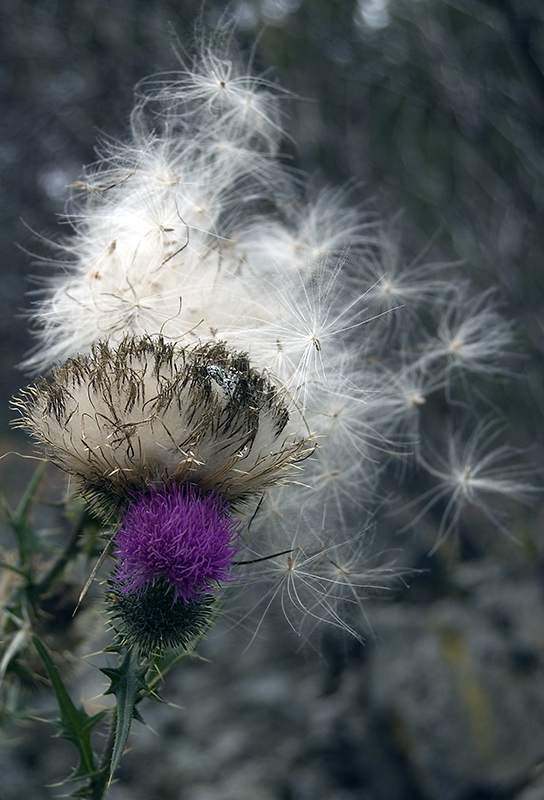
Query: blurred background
(433, 110)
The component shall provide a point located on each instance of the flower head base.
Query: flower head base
(153, 623)
(149, 413)
(175, 534)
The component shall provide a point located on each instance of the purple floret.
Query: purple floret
(176, 534)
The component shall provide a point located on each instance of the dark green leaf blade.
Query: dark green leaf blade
(128, 684)
(74, 724)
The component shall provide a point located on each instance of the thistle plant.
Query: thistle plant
(231, 365)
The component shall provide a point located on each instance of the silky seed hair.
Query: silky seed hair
(226, 325)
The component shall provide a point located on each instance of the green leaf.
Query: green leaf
(13, 568)
(29, 541)
(74, 724)
(128, 684)
(25, 504)
(86, 792)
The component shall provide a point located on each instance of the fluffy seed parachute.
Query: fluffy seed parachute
(216, 331)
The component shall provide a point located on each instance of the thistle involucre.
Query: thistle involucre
(173, 549)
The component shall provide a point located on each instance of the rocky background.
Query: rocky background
(435, 110)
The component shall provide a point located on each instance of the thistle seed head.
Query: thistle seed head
(151, 414)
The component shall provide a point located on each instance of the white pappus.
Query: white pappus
(194, 233)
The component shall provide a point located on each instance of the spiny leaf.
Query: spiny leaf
(25, 504)
(128, 684)
(85, 792)
(29, 541)
(74, 724)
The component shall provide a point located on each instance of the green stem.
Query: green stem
(71, 548)
(13, 568)
(100, 782)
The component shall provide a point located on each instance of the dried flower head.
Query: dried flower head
(151, 414)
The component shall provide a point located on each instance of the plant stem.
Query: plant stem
(101, 780)
(70, 549)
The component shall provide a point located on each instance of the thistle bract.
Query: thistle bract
(154, 622)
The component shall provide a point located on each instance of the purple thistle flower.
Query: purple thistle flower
(176, 534)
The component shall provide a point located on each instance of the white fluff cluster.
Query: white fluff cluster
(146, 413)
(193, 230)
